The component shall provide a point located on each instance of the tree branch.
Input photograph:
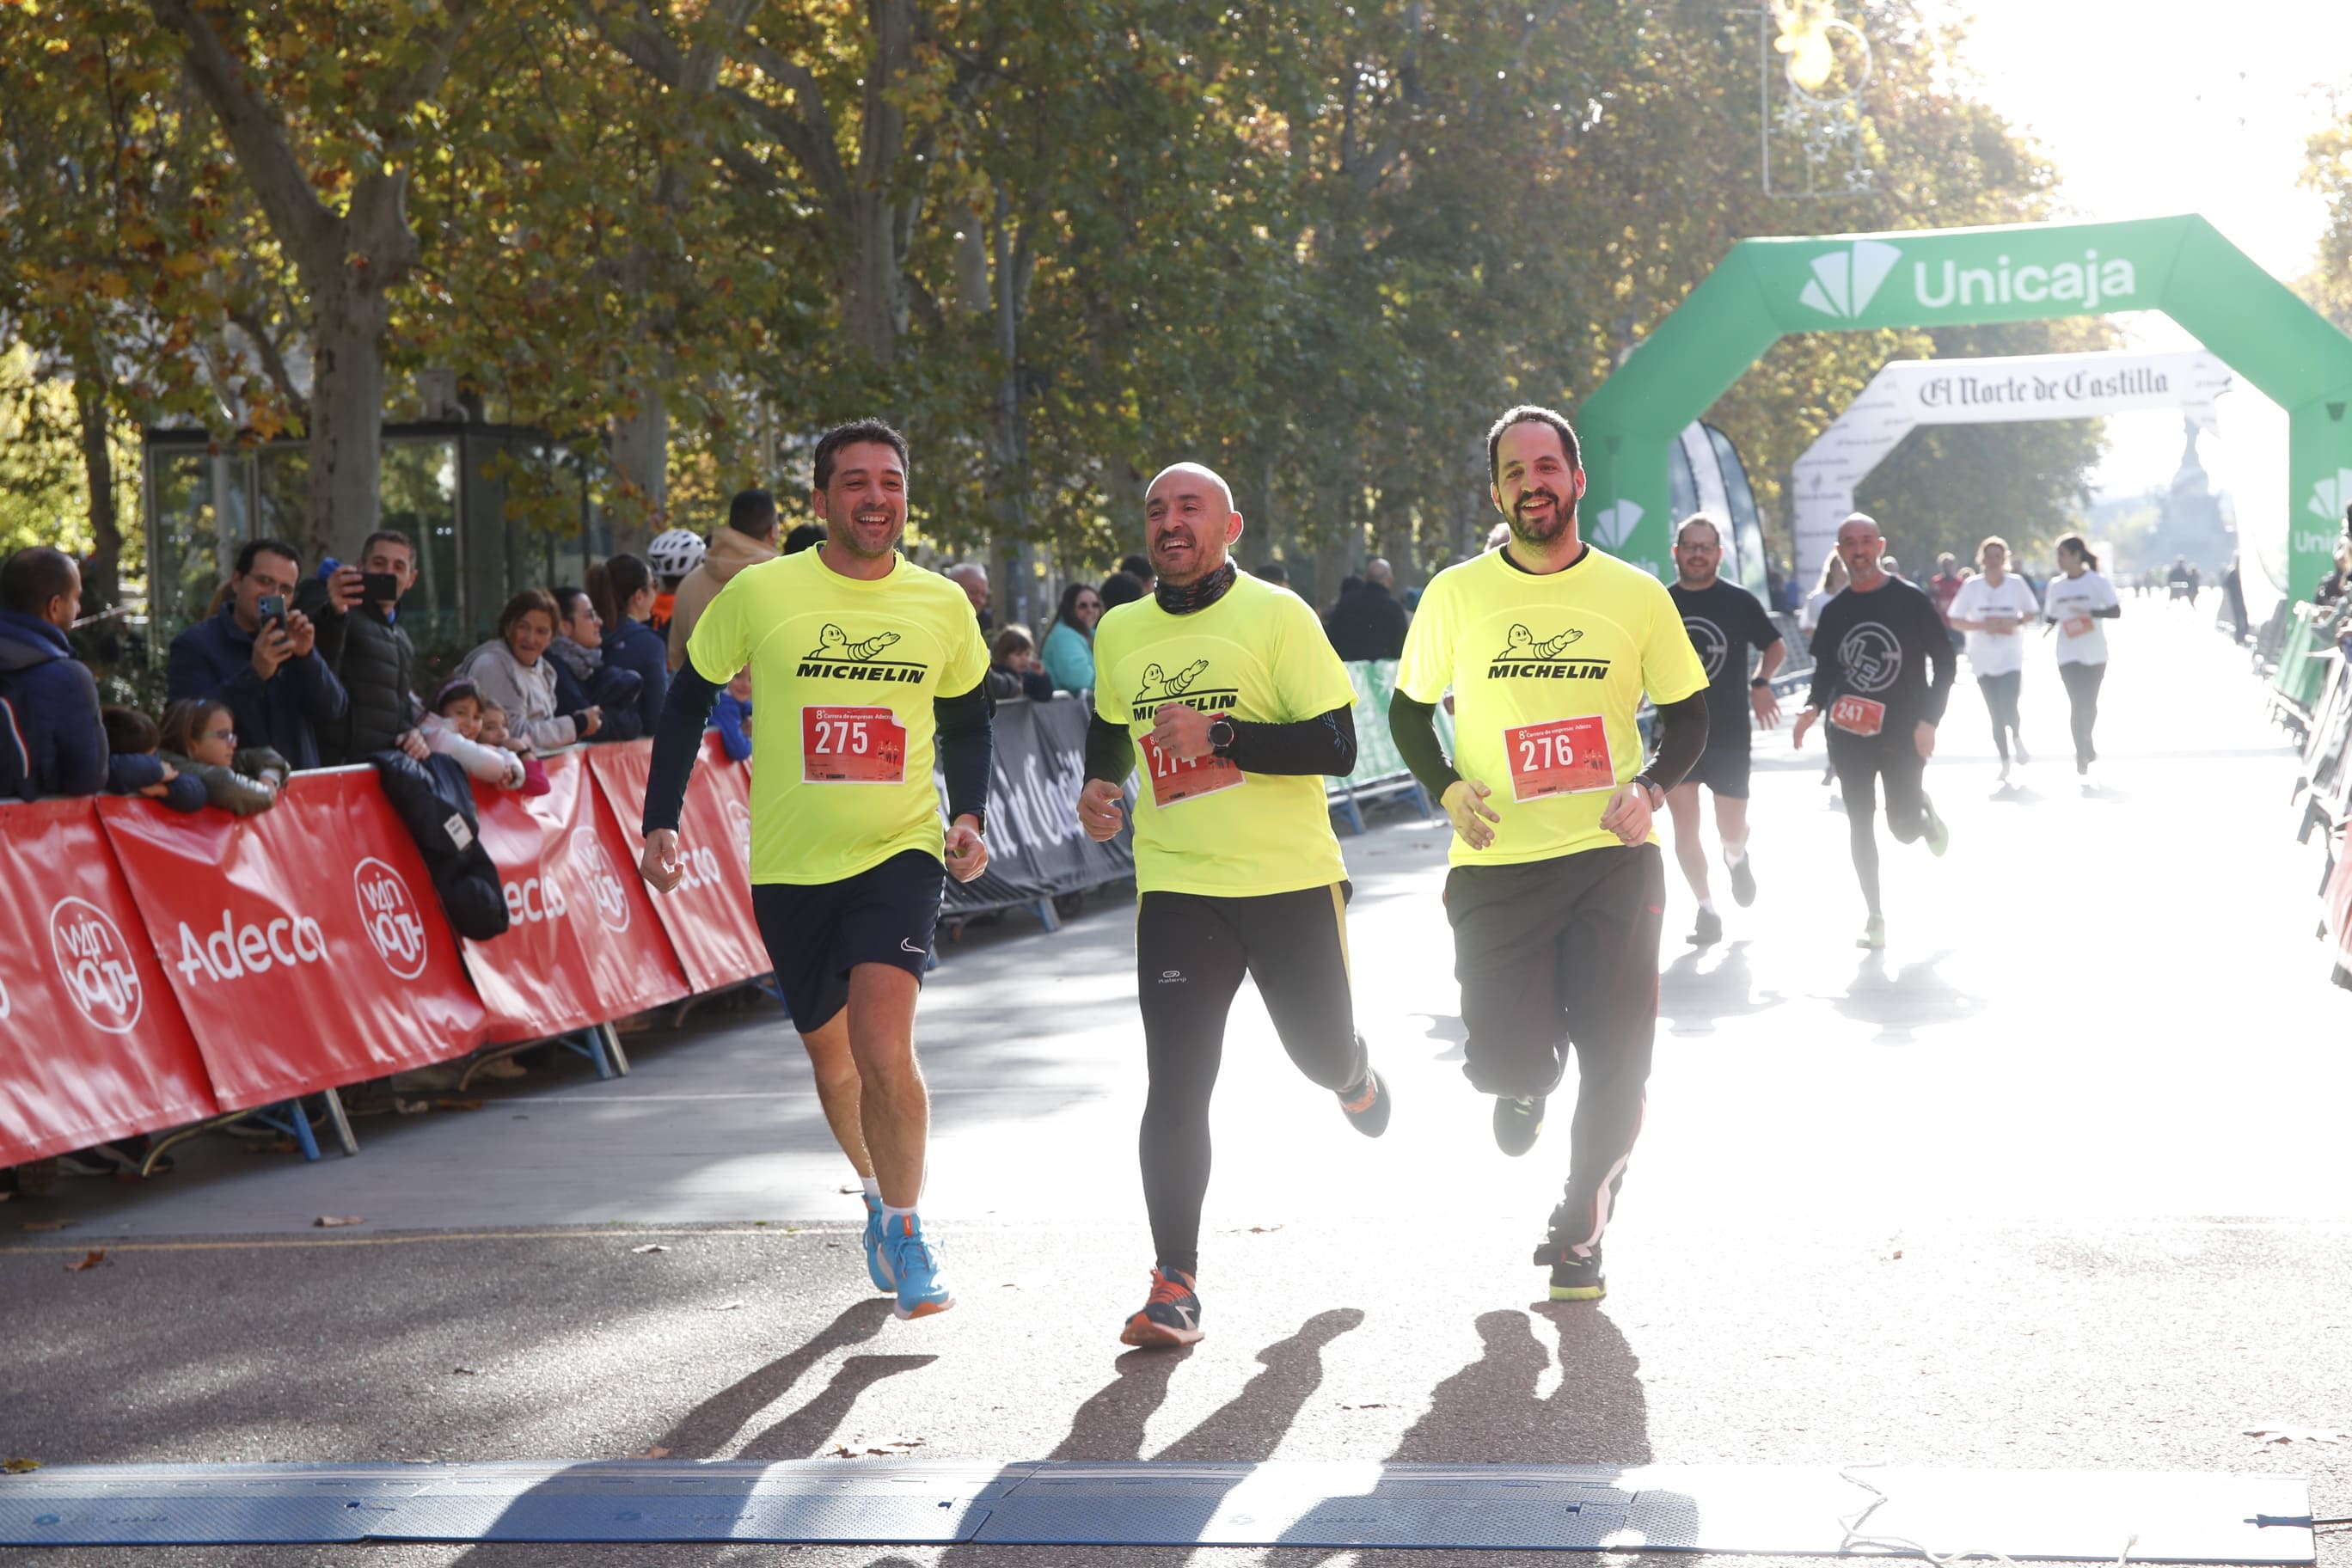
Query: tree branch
(273, 362)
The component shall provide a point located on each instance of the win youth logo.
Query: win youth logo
(1845, 280)
(1708, 641)
(94, 963)
(604, 888)
(393, 920)
(1871, 656)
(1184, 685)
(1525, 658)
(839, 657)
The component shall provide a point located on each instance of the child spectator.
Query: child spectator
(454, 728)
(1013, 668)
(491, 730)
(133, 768)
(200, 739)
(731, 717)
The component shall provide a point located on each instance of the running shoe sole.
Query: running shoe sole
(1144, 1333)
(1517, 1130)
(1580, 1292)
(1370, 1117)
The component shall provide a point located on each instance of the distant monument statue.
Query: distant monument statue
(2192, 524)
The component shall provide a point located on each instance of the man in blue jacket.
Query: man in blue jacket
(54, 696)
(279, 690)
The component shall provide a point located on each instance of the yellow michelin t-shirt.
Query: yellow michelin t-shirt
(1257, 656)
(844, 674)
(1548, 672)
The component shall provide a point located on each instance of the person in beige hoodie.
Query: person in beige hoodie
(749, 538)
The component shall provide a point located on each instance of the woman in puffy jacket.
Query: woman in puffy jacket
(622, 589)
(199, 740)
(513, 671)
(583, 678)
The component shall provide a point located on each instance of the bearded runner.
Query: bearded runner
(1227, 687)
(863, 666)
(1558, 890)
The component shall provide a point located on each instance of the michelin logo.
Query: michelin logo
(1845, 281)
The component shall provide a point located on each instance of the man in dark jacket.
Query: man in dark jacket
(1368, 621)
(362, 643)
(276, 687)
(55, 697)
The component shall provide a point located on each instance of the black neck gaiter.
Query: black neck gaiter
(1199, 595)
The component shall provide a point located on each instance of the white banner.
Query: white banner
(1907, 393)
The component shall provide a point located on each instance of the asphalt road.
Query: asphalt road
(2056, 1182)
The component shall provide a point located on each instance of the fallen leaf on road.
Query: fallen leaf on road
(1371, 1406)
(847, 1187)
(44, 1225)
(650, 1247)
(2299, 1435)
(1899, 1255)
(448, 1102)
(96, 1255)
(464, 1372)
(19, 1467)
(725, 1307)
(329, 1221)
(411, 1107)
(275, 1146)
(1263, 1229)
(655, 1452)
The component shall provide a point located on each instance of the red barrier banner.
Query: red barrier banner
(92, 1046)
(707, 915)
(583, 945)
(305, 945)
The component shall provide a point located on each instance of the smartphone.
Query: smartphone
(272, 607)
(378, 588)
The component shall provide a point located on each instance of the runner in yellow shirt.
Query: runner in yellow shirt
(1229, 690)
(1558, 886)
(863, 665)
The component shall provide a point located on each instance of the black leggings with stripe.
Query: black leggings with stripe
(1191, 952)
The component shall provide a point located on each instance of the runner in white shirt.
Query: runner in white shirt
(1832, 582)
(2075, 603)
(1993, 608)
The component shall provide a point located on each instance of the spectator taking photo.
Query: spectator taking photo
(258, 656)
(356, 611)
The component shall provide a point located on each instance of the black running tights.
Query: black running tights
(1862, 760)
(1191, 952)
(2083, 695)
(2001, 701)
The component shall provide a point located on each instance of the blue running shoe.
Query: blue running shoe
(877, 1264)
(914, 1263)
(1172, 1315)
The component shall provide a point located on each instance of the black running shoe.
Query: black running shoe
(1708, 931)
(1518, 1123)
(1367, 1105)
(1573, 1278)
(1743, 881)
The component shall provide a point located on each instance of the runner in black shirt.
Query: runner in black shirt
(1725, 622)
(1883, 669)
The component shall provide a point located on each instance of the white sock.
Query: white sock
(890, 1216)
(1706, 906)
(873, 1185)
(1732, 857)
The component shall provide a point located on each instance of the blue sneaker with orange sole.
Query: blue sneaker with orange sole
(878, 1266)
(914, 1263)
(1171, 1316)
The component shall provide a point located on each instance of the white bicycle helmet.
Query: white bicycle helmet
(673, 554)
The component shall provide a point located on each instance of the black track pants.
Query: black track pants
(2083, 682)
(2001, 701)
(1191, 952)
(1862, 761)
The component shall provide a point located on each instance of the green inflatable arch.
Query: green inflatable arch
(1961, 276)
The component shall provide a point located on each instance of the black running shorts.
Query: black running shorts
(817, 931)
(1551, 951)
(1723, 769)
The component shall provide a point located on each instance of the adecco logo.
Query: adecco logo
(395, 921)
(95, 962)
(1613, 525)
(604, 888)
(738, 822)
(1844, 282)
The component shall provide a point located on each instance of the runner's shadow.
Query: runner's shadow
(2016, 795)
(711, 1425)
(1447, 1026)
(803, 1434)
(1914, 998)
(1691, 999)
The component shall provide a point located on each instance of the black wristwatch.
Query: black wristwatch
(1652, 790)
(1762, 683)
(1222, 736)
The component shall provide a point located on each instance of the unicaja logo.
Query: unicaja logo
(1845, 280)
(94, 963)
(395, 926)
(1613, 525)
(604, 888)
(2329, 497)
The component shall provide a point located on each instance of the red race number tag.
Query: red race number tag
(1858, 715)
(1175, 781)
(1563, 756)
(2076, 625)
(852, 746)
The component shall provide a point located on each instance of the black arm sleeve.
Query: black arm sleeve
(677, 740)
(2109, 612)
(1413, 727)
(967, 741)
(1943, 666)
(1682, 736)
(1111, 752)
(1323, 744)
(1827, 668)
